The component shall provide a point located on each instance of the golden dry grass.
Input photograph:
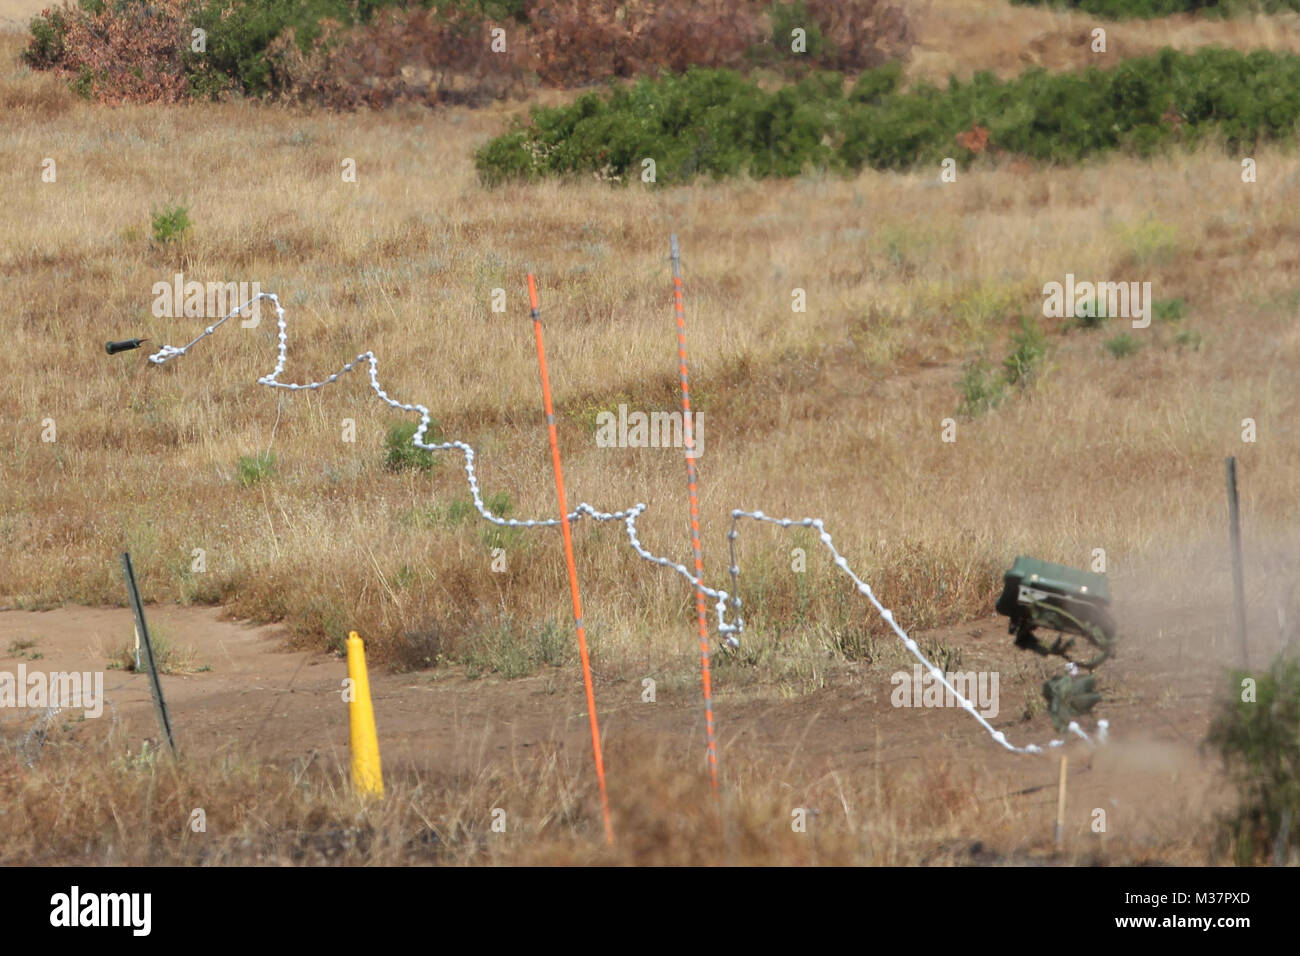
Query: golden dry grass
(835, 413)
(134, 807)
(959, 37)
(16, 14)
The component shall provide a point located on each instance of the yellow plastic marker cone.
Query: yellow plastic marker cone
(366, 775)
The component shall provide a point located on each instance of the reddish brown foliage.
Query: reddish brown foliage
(139, 51)
(862, 34)
(134, 55)
(574, 44)
(974, 139)
(403, 56)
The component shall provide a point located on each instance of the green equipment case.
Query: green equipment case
(1041, 594)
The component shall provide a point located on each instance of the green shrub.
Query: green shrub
(1151, 242)
(496, 536)
(240, 33)
(1259, 742)
(458, 509)
(171, 224)
(717, 123)
(981, 389)
(1092, 314)
(873, 85)
(253, 468)
(1121, 346)
(168, 656)
(511, 651)
(1024, 363)
(1167, 310)
(499, 504)
(48, 32)
(400, 453)
(785, 18)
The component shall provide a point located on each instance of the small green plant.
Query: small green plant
(852, 641)
(1024, 364)
(83, 84)
(1121, 346)
(458, 509)
(253, 468)
(511, 652)
(22, 649)
(142, 761)
(169, 657)
(1091, 314)
(981, 390)
(500, 505)
(1256, 732)
(942, 655)
(48, 32)
(1151, 242)
(1188, 339)
(1167, 310)
(400, 454)
(171, 224)
(785, 18)
(979, 308)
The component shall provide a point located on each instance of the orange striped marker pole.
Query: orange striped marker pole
(568, 554)
(688, 432)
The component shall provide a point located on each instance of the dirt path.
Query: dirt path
(255, 698)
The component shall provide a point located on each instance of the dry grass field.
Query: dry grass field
(836, 412)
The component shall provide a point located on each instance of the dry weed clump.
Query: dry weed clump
(340, 58)
(402, 56)
(132, 53)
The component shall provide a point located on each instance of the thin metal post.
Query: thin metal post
(142, 632)
(1238, 578)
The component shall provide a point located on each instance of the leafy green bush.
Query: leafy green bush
(981, 390)
(48, 31)
(1022, 366)
(401, 454)
(1259, 741)
(240, 33)
(253, 468)
(171, 224)
(717, 123)
(1168, 310)
(510, 650)
(1093, 313)
(1121, 346)
(785, 18)
(711, 122)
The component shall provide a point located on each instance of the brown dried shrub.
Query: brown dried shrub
(861, 34)
(402, 56)
(134, 54)
(139, 51)
(574, 44)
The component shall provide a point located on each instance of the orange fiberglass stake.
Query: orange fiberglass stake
(688, 430)
(568, 555)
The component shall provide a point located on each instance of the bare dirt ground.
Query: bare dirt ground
(260, 699)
